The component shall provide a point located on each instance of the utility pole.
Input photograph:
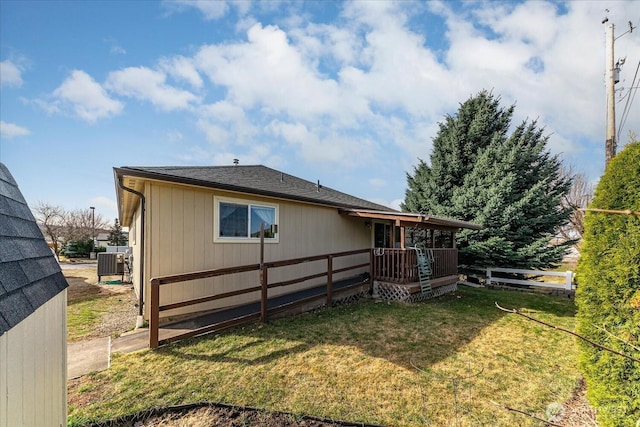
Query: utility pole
(611, 78)
(93, 228)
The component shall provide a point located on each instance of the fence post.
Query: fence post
(154, 314)
(264, 280)
(488, 277)
(569, 282)
(329, 280)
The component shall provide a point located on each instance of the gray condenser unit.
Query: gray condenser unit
(110, 264)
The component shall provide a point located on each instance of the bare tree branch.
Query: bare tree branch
(508, 408)
(579, 196)
(80, 224)
(51, 219)
(612, 211)
(593, 343)
(617, 337)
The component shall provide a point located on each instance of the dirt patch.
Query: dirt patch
(205, 415)
(119, 300)
(577, 411)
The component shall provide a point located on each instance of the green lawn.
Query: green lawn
(358, 363)
(85, 314)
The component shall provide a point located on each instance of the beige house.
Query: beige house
(189, 219)
(33, 328)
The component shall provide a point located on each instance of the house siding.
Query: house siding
(180, 239)
(33, 360)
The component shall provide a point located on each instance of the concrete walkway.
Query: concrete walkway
(95, 355)
(87, 356)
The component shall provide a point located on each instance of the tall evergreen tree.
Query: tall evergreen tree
(458, 143)
(116, 236)
(509, 184)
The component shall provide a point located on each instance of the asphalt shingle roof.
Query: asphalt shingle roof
(259, 180)
(29, 274)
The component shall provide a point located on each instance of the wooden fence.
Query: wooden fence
(264, 286)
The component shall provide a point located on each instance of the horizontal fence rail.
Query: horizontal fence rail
(568, 275)
(263, 287)
(401, 265)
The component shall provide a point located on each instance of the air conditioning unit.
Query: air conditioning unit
(110, 264)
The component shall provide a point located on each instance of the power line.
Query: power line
(631, 94)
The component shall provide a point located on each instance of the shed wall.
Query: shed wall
(180, 230)
(33, 368)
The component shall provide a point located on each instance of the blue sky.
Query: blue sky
(348, 93)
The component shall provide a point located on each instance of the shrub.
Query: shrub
(608, 294)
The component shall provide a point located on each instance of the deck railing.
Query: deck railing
(262, 284)
(400, 265)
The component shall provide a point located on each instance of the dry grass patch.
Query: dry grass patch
(95, 310)
(356, 363)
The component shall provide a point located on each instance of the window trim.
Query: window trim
(216, 220)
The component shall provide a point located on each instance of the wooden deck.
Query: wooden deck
(400, 265)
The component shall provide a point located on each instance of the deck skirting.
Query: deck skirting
(411, 292)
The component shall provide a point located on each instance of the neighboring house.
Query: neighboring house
(102, 239)
(187, 219)
(33, 328)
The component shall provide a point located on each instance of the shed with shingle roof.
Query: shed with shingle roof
(33, 301)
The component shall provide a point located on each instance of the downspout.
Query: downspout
(140, 319)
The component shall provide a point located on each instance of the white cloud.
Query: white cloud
(268, 72)
(175, 136)
(210, 9)
(549, 61)
(322, 145)
(372, 85)
(181, 68)
(10, 74)
(257, 155)
(11, 130)
(115, 47)
(224, 123)
(149, 85)
(117, 50)
(215, 134)
(83, 97)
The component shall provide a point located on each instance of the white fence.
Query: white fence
(568, 283)
(111, 249)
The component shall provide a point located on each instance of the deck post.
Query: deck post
(371, 266)
(329, 280)
(154, 315)
(264, 282)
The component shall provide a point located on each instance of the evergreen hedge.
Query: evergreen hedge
(608, 293)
